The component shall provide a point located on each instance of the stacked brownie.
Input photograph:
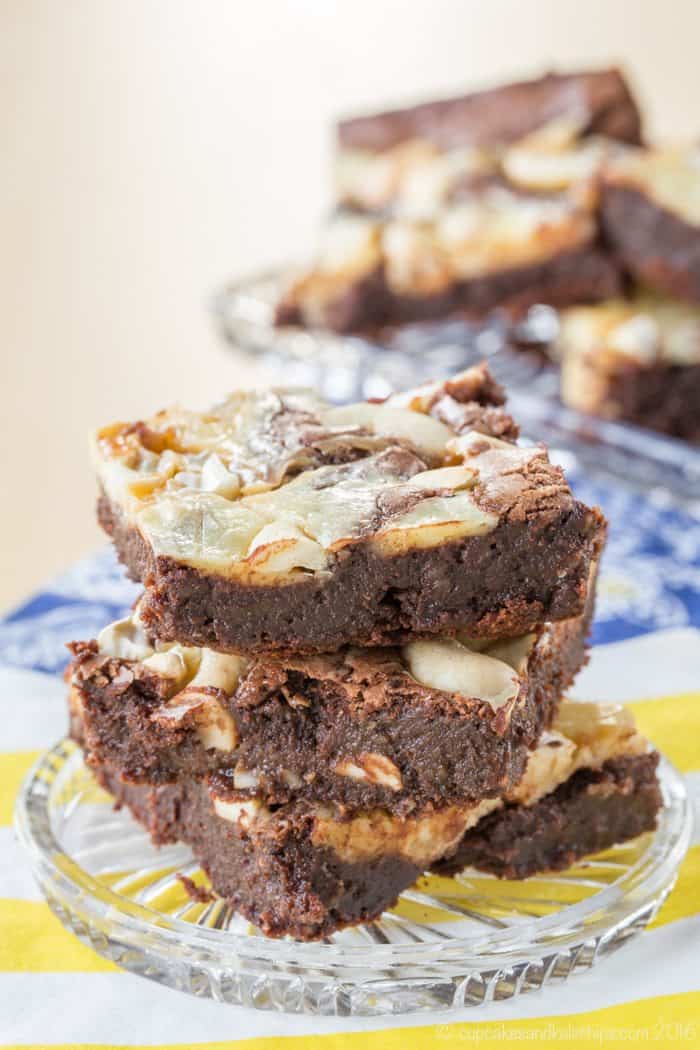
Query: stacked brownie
(347, 663)
(488, 200)
(535, 192)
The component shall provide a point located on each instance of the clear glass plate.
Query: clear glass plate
(448, 943)
(351, 368)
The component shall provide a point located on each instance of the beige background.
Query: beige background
(151, 149)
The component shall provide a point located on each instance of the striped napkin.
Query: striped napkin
(55, 992)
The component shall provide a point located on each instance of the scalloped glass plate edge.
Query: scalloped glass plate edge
(407, 962)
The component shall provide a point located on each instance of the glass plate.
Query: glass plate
(353, 367)
(448, 943)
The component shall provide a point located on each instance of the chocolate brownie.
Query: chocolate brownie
(651, 216)
(309, 869)
(635, 360)
(418, 278)
(544, 135)
(592, 811)
(276, 522)
(298, 870)
(468, 205)
(600, 102)
(441, 720)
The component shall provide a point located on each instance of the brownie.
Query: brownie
(468, 205)
(544, 136)
(439, 721)
(637, 361)
(274, 522)
(592, 811)
(600, 102)
(651, 216)
(299, 870)
(307, 870)
(346, 303)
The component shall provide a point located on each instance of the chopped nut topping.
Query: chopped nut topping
(244, 779)
(371, 768)
(124, 640)
(201, 701)
(448, 665)
(201, 706)
(246, 813)
(282, 547)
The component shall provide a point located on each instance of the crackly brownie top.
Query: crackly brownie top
(273, 485)
(669, 177)
(646, 331)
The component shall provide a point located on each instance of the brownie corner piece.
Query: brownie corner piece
(298, 871)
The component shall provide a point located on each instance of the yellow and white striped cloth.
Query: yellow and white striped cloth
(54, 992)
